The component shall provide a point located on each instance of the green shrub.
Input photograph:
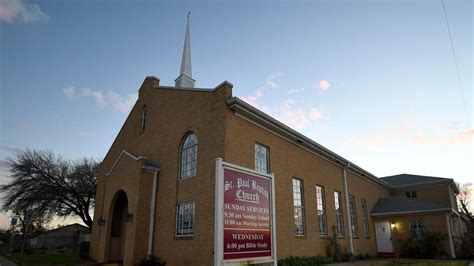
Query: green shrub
(430, 247)
(365, 256)
(152, 261)
(304, 261)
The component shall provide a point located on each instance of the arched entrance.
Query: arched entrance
(118, 227)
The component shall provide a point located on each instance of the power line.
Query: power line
(456, 64)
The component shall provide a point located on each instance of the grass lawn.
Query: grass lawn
(412, 262)
(47, 258)
(404, 262)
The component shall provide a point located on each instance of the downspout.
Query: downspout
(348, 213)
(450, 236)
(151, 225)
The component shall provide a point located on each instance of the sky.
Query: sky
(374, 81)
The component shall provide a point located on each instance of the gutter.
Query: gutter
(151, 224)
(410, 212)
(451, 244)
(348, 213)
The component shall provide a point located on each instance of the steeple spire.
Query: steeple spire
(185, 74)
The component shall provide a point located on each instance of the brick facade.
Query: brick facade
(171, 114)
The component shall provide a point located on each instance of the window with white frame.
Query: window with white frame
(339, 215)
(185, 219)
(353, 216)
(262, 158)
(417, 229)
(365, 217)
(298, 204)
(143, 119)
(411, 194)
(321, 209)
(188, 156)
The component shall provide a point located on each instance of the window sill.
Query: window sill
(300, 237)
(186, 237)
(185, 178)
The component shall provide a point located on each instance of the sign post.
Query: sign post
(13, 224)
(245, 216)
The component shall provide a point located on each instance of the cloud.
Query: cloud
(20, 11)
(252, 100)
(324, 85)
(299, 117)
(4, 168)
(110, 98)
(296, 117)
(465, 136)
(97, 95)
(315, 114)
(69, 92)
(405, 133)
(121, 104)
(294, 91)
(273, 80)
(11, 149)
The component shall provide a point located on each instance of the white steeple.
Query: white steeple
(185, 74)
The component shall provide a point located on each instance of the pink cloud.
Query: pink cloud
(299, 117)
(21, 11)
(464, 136)
(324, 85)
(252, 100)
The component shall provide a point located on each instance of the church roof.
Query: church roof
(401, 205)
(408, 180)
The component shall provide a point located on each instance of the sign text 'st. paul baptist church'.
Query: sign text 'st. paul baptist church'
(245, 215)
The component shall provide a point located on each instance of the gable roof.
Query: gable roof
(408, 180)
(404, 205)
(74, 226)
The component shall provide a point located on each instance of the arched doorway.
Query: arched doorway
(118, 227)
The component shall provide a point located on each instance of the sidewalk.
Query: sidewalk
(5, 262)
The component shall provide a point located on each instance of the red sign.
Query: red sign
(247, 216)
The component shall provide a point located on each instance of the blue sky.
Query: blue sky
(374, 81)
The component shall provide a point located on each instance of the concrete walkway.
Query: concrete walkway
(5, 262)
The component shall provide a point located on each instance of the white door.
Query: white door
(384, 237)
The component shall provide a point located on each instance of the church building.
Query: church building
(156, 187)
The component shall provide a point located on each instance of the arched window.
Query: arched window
(417, 229)
(188, 156)
(143, 119)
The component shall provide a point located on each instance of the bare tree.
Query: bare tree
(464, 200)
(60, 187)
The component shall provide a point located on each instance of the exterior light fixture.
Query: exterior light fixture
(392, 225)
(101, 221)
(128, 217)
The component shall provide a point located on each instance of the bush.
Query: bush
(430, 247)
(84, 249)
(465, 250)
(334, 249)
(365, 256)
(152, 261)
(304, 261)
